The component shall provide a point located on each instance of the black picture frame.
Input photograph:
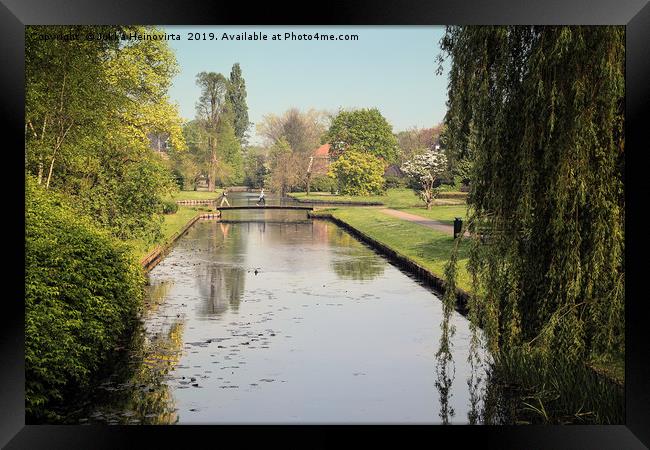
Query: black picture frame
(634, 14)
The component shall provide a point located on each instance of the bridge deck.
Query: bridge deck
(303, 208)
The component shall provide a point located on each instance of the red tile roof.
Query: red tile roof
(323, 150)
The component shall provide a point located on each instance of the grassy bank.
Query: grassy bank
(172, 223)
(442, 213)
(392, 198)
(195, 195)
(429, 248)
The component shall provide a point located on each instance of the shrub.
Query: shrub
(323, 183)
(393, 181)
(358, 173)
(170, 207)
(82, 292)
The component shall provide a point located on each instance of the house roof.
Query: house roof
(394, 171)
(323, 150)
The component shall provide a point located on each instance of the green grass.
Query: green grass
(429, 248)
(444, 214)
(453, 194)
(611, 366)
(172, 224)
(196, 195)
(393, 198)
(556, 391)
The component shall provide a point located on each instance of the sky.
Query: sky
(390, 68)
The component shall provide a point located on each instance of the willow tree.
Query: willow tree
(540, 113)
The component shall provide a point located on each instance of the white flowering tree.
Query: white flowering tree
(426, 168)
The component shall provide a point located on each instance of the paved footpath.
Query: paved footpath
(429, 223)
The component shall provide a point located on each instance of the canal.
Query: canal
(270, 317)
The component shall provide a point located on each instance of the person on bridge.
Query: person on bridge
(261, 200)
(224, 198)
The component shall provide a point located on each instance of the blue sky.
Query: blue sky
(391, 68)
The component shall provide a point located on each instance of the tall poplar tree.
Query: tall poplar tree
(237, 98)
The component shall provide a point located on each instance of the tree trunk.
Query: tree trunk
(308, 181)
(49, 175)
(40, 172)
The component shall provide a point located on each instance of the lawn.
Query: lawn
(172, 223)
(444, 214)
(393, 198)
(429, 248)
(195, 195)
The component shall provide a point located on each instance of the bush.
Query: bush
(82, 292)
(170, 207)
(393, 181)
(323, 183)
(358, 173)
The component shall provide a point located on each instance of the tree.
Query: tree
(365, 130)
(302, 131)
(417, 140)
(255, 166)
(209, 109)
(282, 162)
(540, 112)
(425, 169)
(358, 173)
(229, 152)
(91, 107)
(237, 98)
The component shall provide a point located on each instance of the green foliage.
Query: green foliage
(540, 112)
(254, 167)
(282, 162)
(358, 173)
(363, 130)
(82, 292)
(323, 183)
(230, 153)
(237, 98)
(214, 144)
(170, 207)
(417, 140)
(556, 390)
(91, 106)
(393, 181)
(128, 199)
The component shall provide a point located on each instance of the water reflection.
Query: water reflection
(138, 392)
(295, 323)
(221, 279)
(445, 368)
(353, 262)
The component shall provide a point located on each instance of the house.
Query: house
(321, 160)
(159, 142)
(394, 170)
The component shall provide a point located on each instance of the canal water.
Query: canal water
(269, 317)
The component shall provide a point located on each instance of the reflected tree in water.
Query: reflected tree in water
(445, 368)
(353, 260)
(222, 284)
(156, 293)
(137, 392)
(445, 371)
